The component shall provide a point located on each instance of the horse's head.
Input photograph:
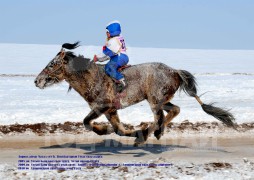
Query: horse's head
(54, 72)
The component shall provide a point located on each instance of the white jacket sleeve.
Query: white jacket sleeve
(114, 45)
(103, 58)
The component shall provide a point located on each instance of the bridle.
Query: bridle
(62, 55)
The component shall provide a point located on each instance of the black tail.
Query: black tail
(71, 46)
(188, 85)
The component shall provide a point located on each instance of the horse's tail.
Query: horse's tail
(188, 85)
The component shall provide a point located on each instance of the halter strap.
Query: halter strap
(62, 55)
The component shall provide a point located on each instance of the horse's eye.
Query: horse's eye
(51, 64)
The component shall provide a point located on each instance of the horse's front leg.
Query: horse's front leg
(158, 120)
(118, 127)
(172, 111)
(94, 114)
(141, 135)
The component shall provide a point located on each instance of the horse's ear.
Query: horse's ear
(62, 54)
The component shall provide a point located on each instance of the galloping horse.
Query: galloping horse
(154, 82)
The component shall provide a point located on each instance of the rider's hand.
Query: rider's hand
(95, 59)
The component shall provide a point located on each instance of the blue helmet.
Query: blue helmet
(114, 28)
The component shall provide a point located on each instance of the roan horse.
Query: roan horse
(154, 82)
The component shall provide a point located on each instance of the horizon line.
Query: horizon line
(144, 47)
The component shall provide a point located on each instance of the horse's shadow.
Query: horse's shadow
(111, 146)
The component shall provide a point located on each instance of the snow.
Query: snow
(31, 58)
(226, 75)
(183, 170)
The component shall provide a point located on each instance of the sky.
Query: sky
(191, 24)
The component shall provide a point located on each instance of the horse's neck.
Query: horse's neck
(88, 83)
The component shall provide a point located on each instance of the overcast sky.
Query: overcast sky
(205, 24)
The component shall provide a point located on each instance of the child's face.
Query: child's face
(108, 35)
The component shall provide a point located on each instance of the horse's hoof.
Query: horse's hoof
(138, 144)
(135, 144)
(158, 134)
(102, 130)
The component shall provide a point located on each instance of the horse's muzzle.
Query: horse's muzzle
(38, 83)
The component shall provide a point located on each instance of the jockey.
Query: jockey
(115, 51)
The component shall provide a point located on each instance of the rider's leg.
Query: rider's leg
(122, 61)
(111, 69)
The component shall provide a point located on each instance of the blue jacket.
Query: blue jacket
(108, 52)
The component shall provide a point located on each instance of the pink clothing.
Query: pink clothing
(123, 47)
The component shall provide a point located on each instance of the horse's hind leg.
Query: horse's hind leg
(172, 111)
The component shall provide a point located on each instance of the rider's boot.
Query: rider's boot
(121, 85)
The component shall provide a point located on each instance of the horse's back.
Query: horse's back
(151, 65)
(153, 69)
(153, 80)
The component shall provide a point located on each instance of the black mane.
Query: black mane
(77, 64)
(70, 54)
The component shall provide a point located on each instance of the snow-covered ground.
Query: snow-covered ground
(183, 170)
(226, 75)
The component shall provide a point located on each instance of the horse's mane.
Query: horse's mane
(77, 65)
(71, 46)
